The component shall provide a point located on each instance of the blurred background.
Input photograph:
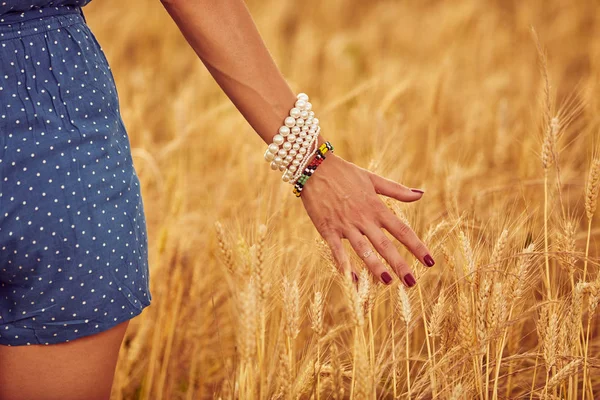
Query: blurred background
(497, 123)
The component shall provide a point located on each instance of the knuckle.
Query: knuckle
(403, 229)
(334, 245)
(420, 248)
(384, 242)
(361, 221)
(401, 265)
(363, 245)
(324, 226)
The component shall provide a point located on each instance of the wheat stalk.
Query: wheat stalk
(499, 249)
(316, 317)
(458, 393)
(591, 190)
(469, 266)
(247, 313)
(564, 373)
(291, 304)
(224, 247)
(591, 196)
(565, 244)
(405, 311)
(337, 373)
(465, 326)
(363, 379)
(481, 309)
(438, 314)
(549, 143)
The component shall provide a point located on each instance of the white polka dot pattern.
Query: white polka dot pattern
(73, 239)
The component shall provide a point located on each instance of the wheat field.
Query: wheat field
(492, 107)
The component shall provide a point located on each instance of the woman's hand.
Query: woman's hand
(341, 200)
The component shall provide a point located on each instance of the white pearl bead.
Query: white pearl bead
(312, 131)
(301, 153)
(303, 134)
(296, 163)
(305, 144)
(284, 131)
(290, 156)
(305, 128)
(292, 152)
(296, 146)
(316, 121)
(273, 148)
(287, 146)
(304, 114)
(296, 130)
(302, 96)
(299, 140)
(311, 113)
(285, 178)
(299, 122)
(300, 104)
(308, 106)
(282, 153)
(282, 168)
(291, 138)
(308, 121)
(295, 112)
(293, 168)
(274, 165)
(289, 121)
(270, 156)
(277, 160)
(278, 140)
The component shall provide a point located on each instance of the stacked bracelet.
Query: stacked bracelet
(311, 168)
(291, 147)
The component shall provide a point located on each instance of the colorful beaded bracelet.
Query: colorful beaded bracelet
(311, 167)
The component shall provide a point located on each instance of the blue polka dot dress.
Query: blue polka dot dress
(73, 239)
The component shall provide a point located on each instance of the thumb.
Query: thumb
(390, 188)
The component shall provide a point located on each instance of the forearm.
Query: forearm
(225, 38)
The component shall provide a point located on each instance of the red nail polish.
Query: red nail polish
(417, 191)
(410, 280)
(386, 278)
(429, 260)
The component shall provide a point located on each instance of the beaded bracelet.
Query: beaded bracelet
(296, 136)
(312, 167)
(302, 165)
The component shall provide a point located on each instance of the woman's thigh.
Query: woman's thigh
(80, 369)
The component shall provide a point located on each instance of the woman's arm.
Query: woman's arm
(341, 198)
(227, 41)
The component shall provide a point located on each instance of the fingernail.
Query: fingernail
(410, 280)
(354, 276)
(386, 278)
(429, 260)
(417, 191)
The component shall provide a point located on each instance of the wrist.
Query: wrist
(320, 157)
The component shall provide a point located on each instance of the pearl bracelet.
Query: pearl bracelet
(290, 150)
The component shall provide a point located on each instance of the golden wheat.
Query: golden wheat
(476, 111)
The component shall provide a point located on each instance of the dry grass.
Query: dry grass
(498, 125)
